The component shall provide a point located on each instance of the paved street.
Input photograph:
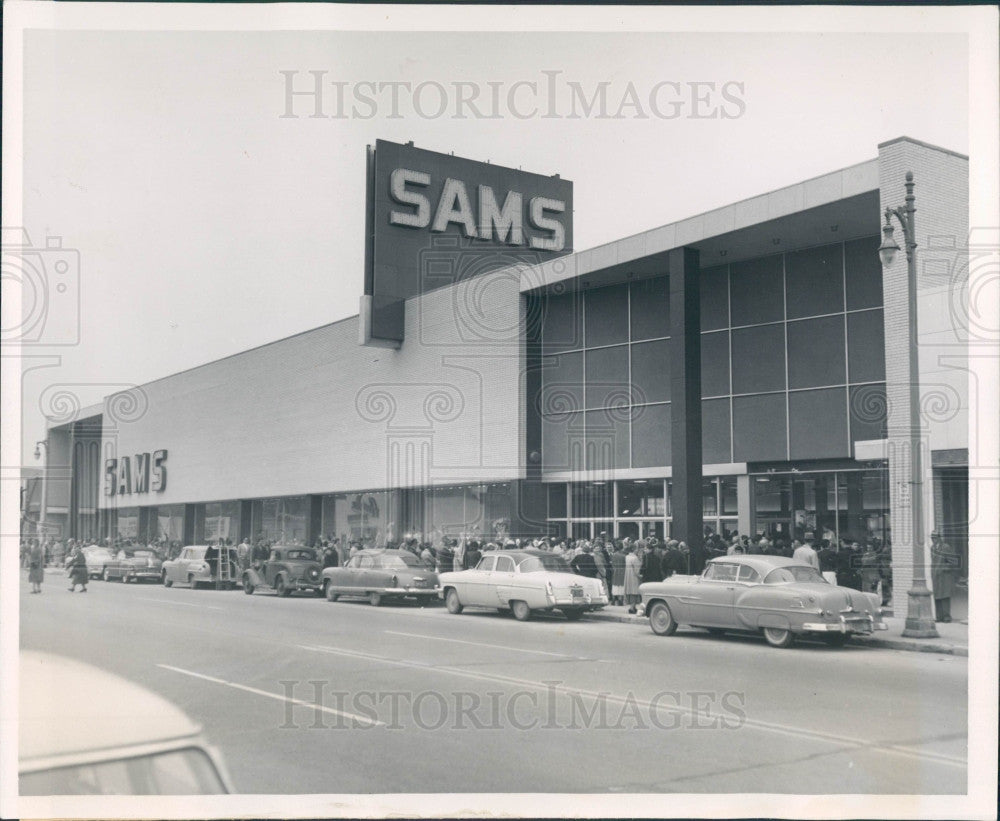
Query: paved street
(417, 700)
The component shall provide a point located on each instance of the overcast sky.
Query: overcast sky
(207, 223)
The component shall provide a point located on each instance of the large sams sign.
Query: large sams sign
(434, 219)
(141, 473)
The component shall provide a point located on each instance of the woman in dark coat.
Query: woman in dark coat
(36, 568)
(78, 574)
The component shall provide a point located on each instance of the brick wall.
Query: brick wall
(942, 202)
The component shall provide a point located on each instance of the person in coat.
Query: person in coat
(618, 575)
(583, 564)
(632, 581)
(944, 566)
(78, 574)
(36, 567)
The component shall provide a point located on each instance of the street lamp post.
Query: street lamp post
(45, 487)
(919, 611)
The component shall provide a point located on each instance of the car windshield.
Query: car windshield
(794, 573)
(546, 561)
(400, 562)
(306, 555)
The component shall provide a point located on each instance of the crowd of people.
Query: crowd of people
(622, 564)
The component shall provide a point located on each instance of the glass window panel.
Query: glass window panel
(868, 412)
(759, 359)
(756, 291)
(128, 522)
(814, 281)
(630, 529)
(863, 271)
(714, 294)
(607, 377)
(729, 497)
(715, 364)
(816, 352)
(650, 308)
(715, 431)
(606, 316)
(759, 428)
(607, 443)
(651, 436)
(562, 383)
(591, 500)
(557, 501)
(496, 507)
(866, 346)
(641, 498)
(709, 498)
(447, 510)
(562, 442)
(562, 322)
(818, 424)
(651, 371)
(580, 530)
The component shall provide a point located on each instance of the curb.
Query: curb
(881, 643)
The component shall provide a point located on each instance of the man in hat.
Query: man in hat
(807, 553)
(944, 566)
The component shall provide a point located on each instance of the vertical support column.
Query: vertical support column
(856, 528)
(246, 520)
(189, 516)
(315, 519)
(746, 522)
(685, 401)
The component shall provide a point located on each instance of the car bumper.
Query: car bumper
(862, 626)
(585, 602)
(419, 592)
(145, 573)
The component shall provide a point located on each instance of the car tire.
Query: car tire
(191, 582)
(521, 610)
(247, 586)
(661, 620)
(328, 592)
(573, 615)
(778, 636)
(836, 639)
(375, 599)
(106, 575)
(452, 602)
(281, 588)
(166, 582)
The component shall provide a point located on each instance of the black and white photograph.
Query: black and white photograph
(499, 411)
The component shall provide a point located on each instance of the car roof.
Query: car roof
(71, 708)
(762, 563)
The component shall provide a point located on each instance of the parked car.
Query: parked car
(522, 581)
(97, 559)
(84, 731)
(774, 595)
(288, 568)
(201, 564)
(139, 564)
(381, 575)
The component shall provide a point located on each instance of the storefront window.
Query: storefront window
(222, 521)
(170, 523)
(727, 490)
(591, 500)
(282, 520)
(641, 498)
(557, 501)
(128, 523)
(710, 498)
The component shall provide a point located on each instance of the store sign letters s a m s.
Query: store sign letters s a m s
(141, 473)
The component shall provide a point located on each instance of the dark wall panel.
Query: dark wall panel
(607, 376)
(863, 271)
(818, 424)
(714, 295)
(866, 346)
(759, 359)
(562, 383)
(868, 412)
(651, 436)
(755, 288)
(606, 315)
(651, 371)
(715, 431)
(650, 308)
(759, 428)
(559, 436)
(814, 281)
(562, 323)
(816, 352)
(607, 439)
(715, 364)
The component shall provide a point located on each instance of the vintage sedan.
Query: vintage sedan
(780, 597)
(85, 731)
(380, 575)
(522, 581)
(202, 565)
(139, 564)
(97, 559)
(288, 568)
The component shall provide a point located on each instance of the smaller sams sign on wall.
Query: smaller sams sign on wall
(435, 219)
(142, 473)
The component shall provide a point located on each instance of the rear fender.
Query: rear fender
(775, 620)
(254, 577)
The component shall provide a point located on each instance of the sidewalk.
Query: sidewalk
(953, 638)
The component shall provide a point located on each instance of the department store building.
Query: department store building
(741, 370)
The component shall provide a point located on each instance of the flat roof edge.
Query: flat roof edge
(921, 143)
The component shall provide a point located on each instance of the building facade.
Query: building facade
(556, 393)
